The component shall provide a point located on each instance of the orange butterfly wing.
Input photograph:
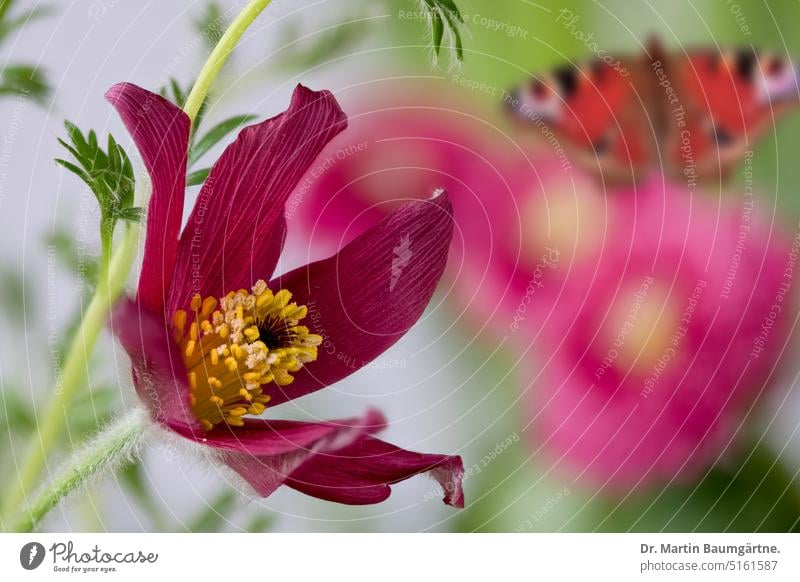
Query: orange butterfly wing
(692, 115)
(727, 102)
(598, 112)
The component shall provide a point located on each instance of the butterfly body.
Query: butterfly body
(692, 115)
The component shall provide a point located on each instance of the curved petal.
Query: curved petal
(362, 473)
(236, 231)
(161, 132)
(158, 371)
(265, 437)
(336, 461)
(273, 450)
(366, 297)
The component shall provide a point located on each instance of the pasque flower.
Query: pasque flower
(215, 340)
(655, 349)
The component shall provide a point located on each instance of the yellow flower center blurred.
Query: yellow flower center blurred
(565, 218)
(238, 344)
(640, 327)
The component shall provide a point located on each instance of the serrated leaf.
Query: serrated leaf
(449, 16)
(452, 9)
(108, 174)
(131, 214)
(198, 177)
(74, 169)
(438, 32)
(216, 134)
(445, 15)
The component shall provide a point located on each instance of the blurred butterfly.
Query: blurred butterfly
(692, 115)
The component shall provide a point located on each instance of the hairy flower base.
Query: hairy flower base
(236, 345)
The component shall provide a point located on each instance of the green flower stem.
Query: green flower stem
(220, 54)
(113, 447)
(52, 423)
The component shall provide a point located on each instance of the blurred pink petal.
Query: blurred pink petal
(653, 353)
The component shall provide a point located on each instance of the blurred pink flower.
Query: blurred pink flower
(653, 351)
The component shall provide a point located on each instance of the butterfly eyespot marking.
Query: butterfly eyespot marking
(746, 62)
(538, 89)
(776, 66)
(567, 79)
(602, 146)
(721, 136)
(598, 70)
(714, 61)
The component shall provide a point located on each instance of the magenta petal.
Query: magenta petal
(362, 473)
(276, 437)
(366, 297)
(236, 231)
(267, 453)
(161, 132)
(158, 371)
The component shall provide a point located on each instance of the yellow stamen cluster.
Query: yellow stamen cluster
(235, 345)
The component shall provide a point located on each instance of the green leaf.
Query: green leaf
(13, 291)
(16, 412)
(451, 9)
(5, 6)
(438, 32)
(450, 16)
(327, 43)
(109, 175)
(444, 15)
(21, 79)
(10, 25)
(198, 177)
(73, 168)
(211, 24)
(131, 214)
(260, 523)
(216, 134)
(134, 479)
(213, 517)
(24, 80)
